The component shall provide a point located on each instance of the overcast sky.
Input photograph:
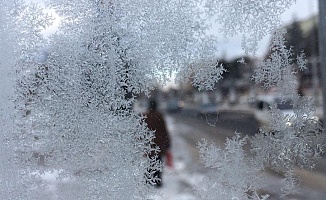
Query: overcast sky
(303, 9)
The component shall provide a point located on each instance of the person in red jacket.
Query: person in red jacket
(156, 123)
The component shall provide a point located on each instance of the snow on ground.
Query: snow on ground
(179, 180)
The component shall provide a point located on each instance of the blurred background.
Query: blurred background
(238, 104)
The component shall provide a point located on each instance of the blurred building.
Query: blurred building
(302, 36)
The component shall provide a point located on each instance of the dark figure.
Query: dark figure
(155, 122)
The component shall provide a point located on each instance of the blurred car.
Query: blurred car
(263, 105)
(207, 109)
(174, 105)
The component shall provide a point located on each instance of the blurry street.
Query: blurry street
(187, 129)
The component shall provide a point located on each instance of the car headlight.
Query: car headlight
(181, 104)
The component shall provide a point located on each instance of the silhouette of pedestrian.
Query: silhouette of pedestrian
(156, 123)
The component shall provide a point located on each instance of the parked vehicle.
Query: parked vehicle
(263, 105)
(262, 110)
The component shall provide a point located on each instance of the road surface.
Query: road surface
(192, 128)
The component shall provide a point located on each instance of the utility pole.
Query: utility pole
(322, 49)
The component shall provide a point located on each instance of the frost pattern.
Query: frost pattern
(278, 70)
(302, 61)
(253, 19)
(20, 27)
(202, 74)
(75, 107)
(235, 174)
(73, 110)
(292, 140)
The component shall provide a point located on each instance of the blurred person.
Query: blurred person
(156, 123)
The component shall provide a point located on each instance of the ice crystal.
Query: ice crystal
(203, 74)
(289, 144)
(9, 171)
(75, 106)
(291, 183)
(20, 27)
(235, 175)
(253, 19)
(302, 61)
(242, 61)
(278, 70)
(290, 140)
(72, 111)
